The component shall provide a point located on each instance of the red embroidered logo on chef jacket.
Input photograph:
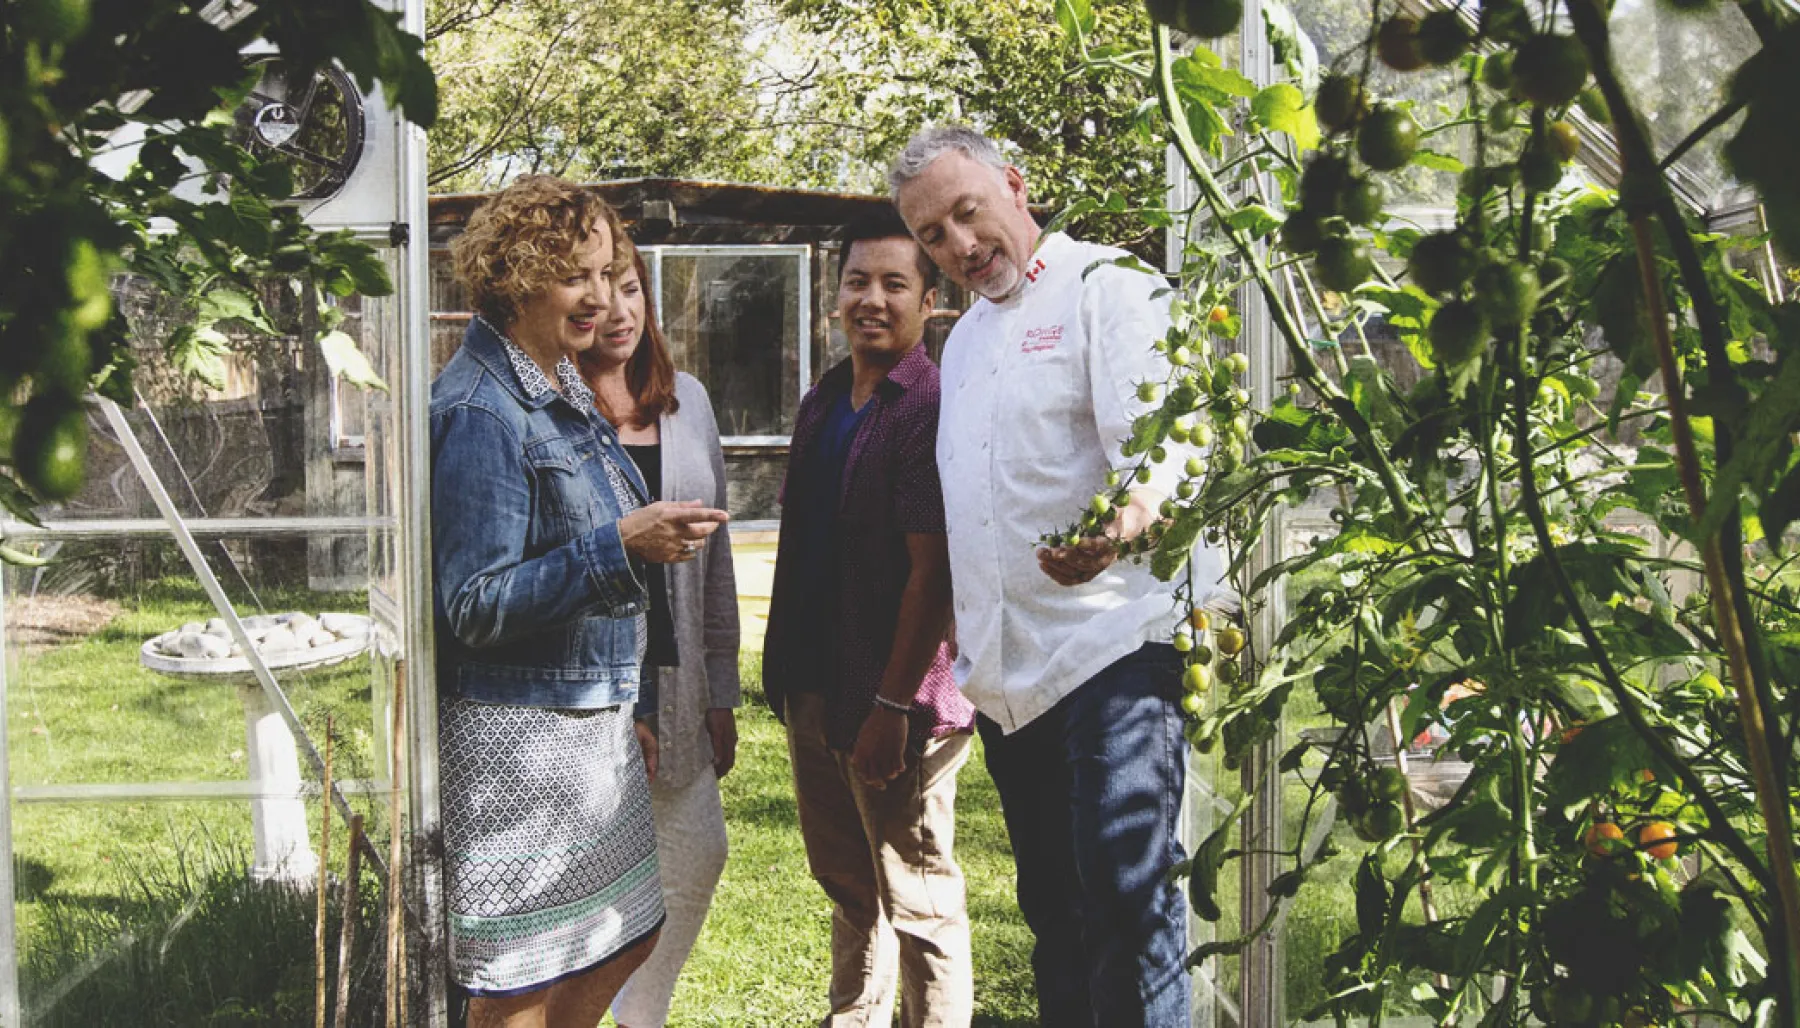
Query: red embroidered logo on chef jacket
(1038, 340)
(1036, 270)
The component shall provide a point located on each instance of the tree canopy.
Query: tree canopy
(807, 93)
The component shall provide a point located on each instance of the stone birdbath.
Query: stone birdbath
(295, 641)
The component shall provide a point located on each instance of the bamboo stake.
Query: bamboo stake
(349, 909)
(1771, 796)
(395, 909)
(322, 882)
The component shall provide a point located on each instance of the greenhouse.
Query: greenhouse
(1479, 375)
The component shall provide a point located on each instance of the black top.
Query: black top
(816, 516)
(659, 647)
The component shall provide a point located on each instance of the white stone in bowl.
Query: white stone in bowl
(187, 643)
(348, 626)
(279, 640)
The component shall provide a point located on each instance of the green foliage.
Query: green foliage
(1490, 586)
(78, 80)
(808, 93)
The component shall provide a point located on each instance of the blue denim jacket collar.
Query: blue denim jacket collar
(486, 345)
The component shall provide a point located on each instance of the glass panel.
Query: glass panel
(166, 816)
(733, 320)
(1680, 72)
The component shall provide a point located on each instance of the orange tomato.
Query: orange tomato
(1658, 839)
(1601, 836)
(1218, 315)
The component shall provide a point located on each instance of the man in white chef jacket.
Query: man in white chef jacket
(1063, 651)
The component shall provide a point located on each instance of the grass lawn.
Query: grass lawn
(764, 956)
(84, 712)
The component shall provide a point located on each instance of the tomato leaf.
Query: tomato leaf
(1283, 108)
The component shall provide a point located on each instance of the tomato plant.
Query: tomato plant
(1622, 844)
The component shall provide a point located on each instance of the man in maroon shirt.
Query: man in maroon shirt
(855, 662)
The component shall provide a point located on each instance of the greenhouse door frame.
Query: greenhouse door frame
(1258, 999)
(420, 879)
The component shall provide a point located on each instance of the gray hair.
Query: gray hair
(935, 141)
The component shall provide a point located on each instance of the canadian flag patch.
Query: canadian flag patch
(1036, 269)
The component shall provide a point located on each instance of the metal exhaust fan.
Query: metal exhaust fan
(314, 123)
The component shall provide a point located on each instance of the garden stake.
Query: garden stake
(396, 920)
(320, 888)
(1770, 795)
(349, 910)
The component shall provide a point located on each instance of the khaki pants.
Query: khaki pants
(884, 858)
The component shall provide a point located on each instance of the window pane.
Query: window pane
(733, 321)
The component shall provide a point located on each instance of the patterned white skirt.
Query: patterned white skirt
(549, 848)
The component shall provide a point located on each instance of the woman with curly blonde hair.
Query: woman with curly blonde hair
(541, 529)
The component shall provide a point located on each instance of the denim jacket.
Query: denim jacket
(536, 599)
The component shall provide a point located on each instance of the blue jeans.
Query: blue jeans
(1091, 790)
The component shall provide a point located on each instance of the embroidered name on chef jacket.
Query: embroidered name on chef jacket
(1037, 340)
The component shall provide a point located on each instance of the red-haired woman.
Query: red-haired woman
(690, 675)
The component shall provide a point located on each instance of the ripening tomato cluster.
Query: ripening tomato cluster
(1483, 291)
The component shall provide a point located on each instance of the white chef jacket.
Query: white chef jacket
(1039, 392)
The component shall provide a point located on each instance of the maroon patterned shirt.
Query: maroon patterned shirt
(889, 489)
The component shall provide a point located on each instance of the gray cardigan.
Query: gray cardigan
(702, 594)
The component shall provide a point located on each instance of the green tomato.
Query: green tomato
(1549, 70)
(1496, 71)
(1502, 116)
(1147, 391)
(1387, 138)
(1301, 232)
(1182, 357)
(1322, 184)
(1539, 170)
(1195, 467)
(1397, 43)
(1340, 101)
(1443, 37)
(1237, 362)
(1100, 504)
(1506, 292)
(1362, 200)
(49, 449)
(1388, 784)
(1208, 19)
(1457, 332)
(1441, 262)
(1382, 821)
(1197, 678)
(1343, 264)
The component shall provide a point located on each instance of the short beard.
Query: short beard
(1012, 283)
